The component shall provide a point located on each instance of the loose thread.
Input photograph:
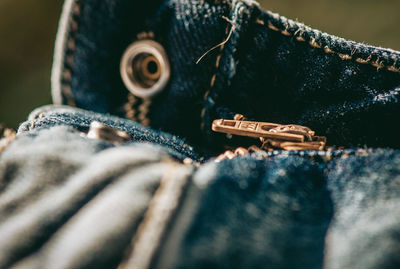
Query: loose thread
(220, 44)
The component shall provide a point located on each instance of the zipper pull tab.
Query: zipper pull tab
(259, 130)
(272, 135)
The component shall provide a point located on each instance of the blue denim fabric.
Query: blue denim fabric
(81, 119)
(67, 201)
(271, 69)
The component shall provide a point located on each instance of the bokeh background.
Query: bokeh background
(28, 28)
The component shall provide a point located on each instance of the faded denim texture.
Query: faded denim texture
(67, 201)
(71, 202)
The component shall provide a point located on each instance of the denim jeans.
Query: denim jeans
(160, 200)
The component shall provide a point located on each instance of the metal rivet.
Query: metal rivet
(98, 130)
(145, 68)
(187, 161)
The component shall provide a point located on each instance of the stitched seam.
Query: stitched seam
(144, 109)
(213, 78)
(130, 107)
(313, 43)
(154, 224)
(141, 113)
(131, 113)
(32, 126)
(69, 55)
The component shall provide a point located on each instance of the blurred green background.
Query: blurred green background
(28, 28)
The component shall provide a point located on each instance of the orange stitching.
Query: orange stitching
(313, 43)
(77, 10)
(377, 64)
(326, 49)
(362, 61)
(69, 60)
(261, 22)
(299, 38)
(211, 85)
(286, 33)
(213, 78)
(32, 124)
(344, 56)
(144, 109)
(68, 94)
(218, 60)
(160, 211)
(71, 44)
(129, 107)
(74, 26)
(41, 115)
(67, 75)
(393, 69)
(272, 27)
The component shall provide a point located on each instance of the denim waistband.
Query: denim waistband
(267, 68)
(53, 115)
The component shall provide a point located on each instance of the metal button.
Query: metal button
(98, 130)
(145, 68)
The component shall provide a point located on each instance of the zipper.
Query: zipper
(273, 136)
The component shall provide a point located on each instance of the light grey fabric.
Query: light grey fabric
(68, 202)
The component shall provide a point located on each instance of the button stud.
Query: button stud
(145, 68)
(100, 131)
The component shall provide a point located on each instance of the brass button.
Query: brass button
(100, 131)
(145, 68)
